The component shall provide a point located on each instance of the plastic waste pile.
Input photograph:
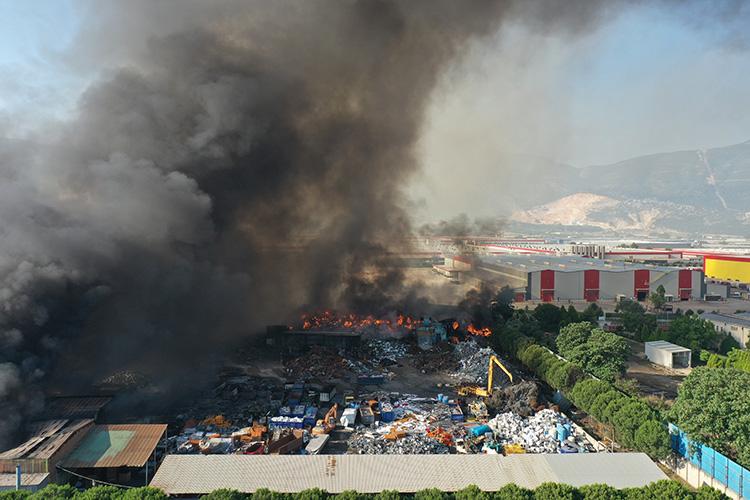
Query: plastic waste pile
(537, 434)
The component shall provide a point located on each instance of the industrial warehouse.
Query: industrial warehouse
(551, 278)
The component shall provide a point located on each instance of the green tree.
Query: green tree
(513, 492)
(555, 491)
(350, 495)
(15, 495)
(564, 376)
(100, 493)
(311, 494)
(613, 407)
(652, 438)
(600, 353)
(472, 492)
(600, 492)
(266, 494)
(54, 492)
(666, 490)
(592, 313)
(601, 402)
(388, 495)
(549, 317)
(145, 493)
(629, 418)
(430, 494)
(585, 392)
(225, 494)
(705, 492)
(727, 343)
(713, 407)
(658, 298)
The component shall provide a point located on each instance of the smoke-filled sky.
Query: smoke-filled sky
(648, 78)
(175, 174)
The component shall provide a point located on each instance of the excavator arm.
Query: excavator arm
(495, 361)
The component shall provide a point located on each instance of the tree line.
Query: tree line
(660, 490)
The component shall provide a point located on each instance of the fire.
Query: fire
(330, 320)
(480, 332)
(455, 325)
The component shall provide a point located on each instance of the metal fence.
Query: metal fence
(711, 462)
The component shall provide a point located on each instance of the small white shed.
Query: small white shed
(667, 354)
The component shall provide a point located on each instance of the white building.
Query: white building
(736, 325)
(665, 353)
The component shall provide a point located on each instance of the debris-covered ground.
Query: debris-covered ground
(276, 404)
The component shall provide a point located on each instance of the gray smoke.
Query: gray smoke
(245, 159)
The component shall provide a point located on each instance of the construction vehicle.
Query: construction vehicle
(475, 390)
(396, 433)
(327, 423)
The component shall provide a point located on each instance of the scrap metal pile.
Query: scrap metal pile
(472, 362)
(536, 434)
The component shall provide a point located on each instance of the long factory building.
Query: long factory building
(549, 278)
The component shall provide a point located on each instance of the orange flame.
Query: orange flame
(480, 332)
(330, 320)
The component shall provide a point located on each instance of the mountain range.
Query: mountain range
(678, 193)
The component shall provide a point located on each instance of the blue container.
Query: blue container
(568, 448)
(562, 433)
(440, 397)
(456, 414)
(386, 412)
(285, 411)
(480, 430)
(446, 399)
(310, 418)
(298, 411)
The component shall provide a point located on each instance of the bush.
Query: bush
(601, 402)
(311, 494)
(431, 494)
(388, 495)
(705, 492)
(666, 490)
(585, 392)
(613, 407)
(554, 491)
(54, 492)
(145, 493)
(350, 495)
(224, 494)
(653, 438)
(629, 418)
(266, 494)
(101, 493)
(600, 492)
(513, 492)
(471, 493)
(15, 495)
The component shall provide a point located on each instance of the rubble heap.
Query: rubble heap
(537, 434)
(440, 357)
(385, 352)
(473, 361)
(521, 398)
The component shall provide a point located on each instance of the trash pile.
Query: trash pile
(319, 362)
(440, 358)
(521, 398)
(413, 432)
(473, 362)
(385, 352)
(543, 432)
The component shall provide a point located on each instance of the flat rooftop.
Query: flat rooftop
(201, 474)
(733, 319)
(122, 445)
(667, 346)
(572, 263)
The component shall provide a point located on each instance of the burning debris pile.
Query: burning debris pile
(395, 324)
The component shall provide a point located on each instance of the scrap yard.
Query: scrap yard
(394, 385)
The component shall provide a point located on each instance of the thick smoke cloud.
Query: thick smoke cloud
(245, 159)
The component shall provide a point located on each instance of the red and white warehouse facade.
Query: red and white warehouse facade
(563, 278)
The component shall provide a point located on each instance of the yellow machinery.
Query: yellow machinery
(327, 423)
(480, 391)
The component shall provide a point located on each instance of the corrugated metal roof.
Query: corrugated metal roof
(32, 479)
(667, 346)
(199, 474)
(731, 319)
(571, 263)
(123, 445)
(46, 438)
(75, 406)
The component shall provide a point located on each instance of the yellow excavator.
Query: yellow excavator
(327, 423)
(475, 390)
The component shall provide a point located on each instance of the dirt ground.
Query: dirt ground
(653, 379)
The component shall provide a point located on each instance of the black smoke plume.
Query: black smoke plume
(253, 161)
